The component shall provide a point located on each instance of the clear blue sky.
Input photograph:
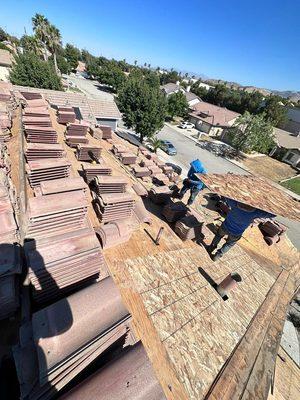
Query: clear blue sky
(248, 41)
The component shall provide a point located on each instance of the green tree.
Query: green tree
(31, 43)
(143, 106)
(155, 143)
(62, 64)
(40, 28)
(274, 110)
(73, 55)
(177, 105)
(30, 70)
(3, 35)
(112, 76)
(170, 77)
(53, 42)
(252, 133)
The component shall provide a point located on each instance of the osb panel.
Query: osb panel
(254, 191)
(198, 329)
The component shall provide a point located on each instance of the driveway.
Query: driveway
(91, 88)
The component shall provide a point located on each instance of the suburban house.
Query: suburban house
(81, 69)
(211, 119)
(171, 88)
(292, 123)
(287, 147)
(6, 60)
(105, 112)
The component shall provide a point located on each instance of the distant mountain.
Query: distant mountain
(288, 94)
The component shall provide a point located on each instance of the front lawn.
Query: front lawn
(293, 185)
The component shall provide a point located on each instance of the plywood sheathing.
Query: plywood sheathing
(286, 385)
(257, 192)
(197, 330)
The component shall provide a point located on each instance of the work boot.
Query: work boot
(216, 256)
(210, 249)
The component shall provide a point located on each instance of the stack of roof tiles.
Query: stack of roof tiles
(140, 213)
(114, 206)
(47, 169)
(36, 103)
(44, 121)
(40, 134)
(8, 226)
(5, 116)
(160, 179)
(114, 233)
(128, 158)
(65, 337)
(97, 133)
(63, 263)
(35, 112)
(110, 184)
(5, 94)
(140, 190)
(35, 151)
(118, 149)
(88, 152)
(147, 163)
(160, 195)
(76, 133)
(56, 213)
(189, 227)
(31, 95)
(63, 185)
(174, 211)
(106, 132)
(135, 373)
(65, 115)
(93, 170)
(140, 172)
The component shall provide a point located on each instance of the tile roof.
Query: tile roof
(190, 96)
(213, 114)
(6, 58)
(286, 139)
(104, 109)
(170, 88)
(89, 108)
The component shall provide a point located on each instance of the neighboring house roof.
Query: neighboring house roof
(212, 114)
(191, 96)
(6, 58)
(170, 88)
(90, 109)
(286, 139)
(293, 114)
(104, 109)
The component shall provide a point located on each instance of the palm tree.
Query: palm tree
(135, 62)
(155, 143)
(53, 42)
(31, 43)
(40, 27)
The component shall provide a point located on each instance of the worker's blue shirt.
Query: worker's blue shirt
(196, 168)
(238, 220)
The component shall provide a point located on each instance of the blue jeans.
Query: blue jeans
(230, 241)
(194, 191)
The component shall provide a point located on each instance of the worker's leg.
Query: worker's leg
(221, 232)
(184, 189)
(194, 191)
(230, 242)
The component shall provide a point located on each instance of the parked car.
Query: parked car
(186, 125)
(168, 147)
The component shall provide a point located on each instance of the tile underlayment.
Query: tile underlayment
(198, 329)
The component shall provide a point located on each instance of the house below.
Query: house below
(6, 60)
(287, 147)
(105, 112)
(211, 119)
(292, 123)
(81, 69)
(171, 88)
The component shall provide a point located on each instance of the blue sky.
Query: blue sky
(248, 41)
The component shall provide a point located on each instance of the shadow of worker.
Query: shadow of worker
(51, 318)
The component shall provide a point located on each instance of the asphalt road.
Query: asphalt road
(187, 151)
(90, 88)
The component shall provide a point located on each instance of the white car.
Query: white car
(186, 125)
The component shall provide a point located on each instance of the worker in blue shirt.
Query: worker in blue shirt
(238, 219)
(193, 183)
